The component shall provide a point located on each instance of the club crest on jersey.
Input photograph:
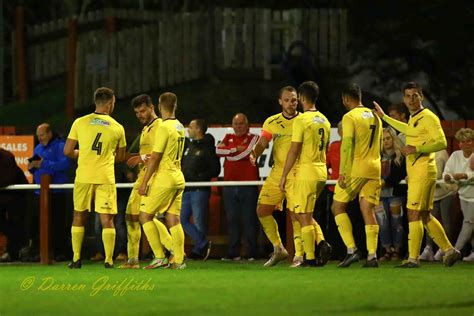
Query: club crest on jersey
(367, 115)
(318, 120)
(98, 121)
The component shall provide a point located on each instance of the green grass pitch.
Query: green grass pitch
(221, 288)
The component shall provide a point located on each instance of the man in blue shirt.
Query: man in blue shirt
(49, 158)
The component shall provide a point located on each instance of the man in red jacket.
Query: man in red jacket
(240, 201)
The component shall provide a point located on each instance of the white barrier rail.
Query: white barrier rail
(188, 184)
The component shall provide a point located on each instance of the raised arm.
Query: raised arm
(399, 126)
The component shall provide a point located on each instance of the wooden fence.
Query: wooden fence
(152, 50)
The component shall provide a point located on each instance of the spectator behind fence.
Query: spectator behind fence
(200, 163)
(49, 159)
(333, 160)
(12, 208)
(240, 201)
(399, 112)
(389, 211)
(442, 207)
(458, 169)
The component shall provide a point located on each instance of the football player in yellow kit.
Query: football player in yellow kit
(101, 141)
(306, 159)
(359, 174)
(424, 137)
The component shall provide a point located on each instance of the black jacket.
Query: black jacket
(200, 162)
(397, 173)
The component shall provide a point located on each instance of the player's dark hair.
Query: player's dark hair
(168, 101)
(412, 85)
(309, 90)
(103, 95)
(140, 100)
(352, 90)
(286, 88)
(202, 124)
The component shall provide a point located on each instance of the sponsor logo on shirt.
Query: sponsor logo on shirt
(367, 115)
(179, 127)
(318, 119)
(98, 121)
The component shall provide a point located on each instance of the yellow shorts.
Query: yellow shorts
(420, 194)
(270, 194)
(369, 189)
(305, 193)
(133, 204)
(161, 200)
(104, 196)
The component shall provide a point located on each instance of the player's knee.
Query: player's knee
(265, 210)
(172, 219)
(144, 217)
(336, 208)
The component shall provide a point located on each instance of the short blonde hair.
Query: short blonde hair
(168, 100)
(464, 134)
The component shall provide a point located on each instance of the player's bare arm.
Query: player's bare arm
(120, 154)
(258, 150)
(291, 157)
(135, 159)
(69, 150)
(153, 164)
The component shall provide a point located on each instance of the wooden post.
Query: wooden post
(110, 24)
(21, 54)
(45, 220)
(71, 67)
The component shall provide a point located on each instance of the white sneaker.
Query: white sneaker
(469, 258)
(438, 255)
(297, 261)
(427, 254)
(278, 255)
(157, 263)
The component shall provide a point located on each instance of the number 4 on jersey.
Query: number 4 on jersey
(97, 146)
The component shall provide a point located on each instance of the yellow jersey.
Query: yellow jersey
(365, 129)
(279, 129)
(98, 136)
(169, 140)
(147, 137)
(312, 129)
(424, 132)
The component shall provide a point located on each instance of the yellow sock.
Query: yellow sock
(372, 235)
(177, 234)
(165, 236)
(134, 233)
(270, 228)
(437, 233)
(319, 232)
(153, 237)
(108, 238)
(77, 235)
(299, 250)
(415, 237)
(344, 226)
(308, 235)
